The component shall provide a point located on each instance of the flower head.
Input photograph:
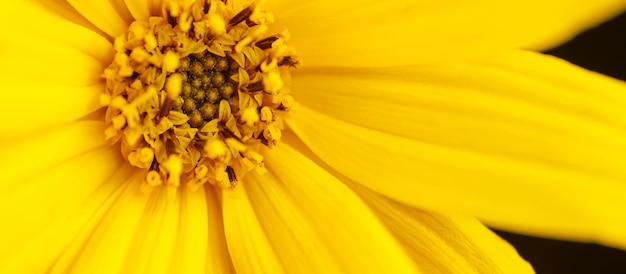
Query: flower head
(177, 136)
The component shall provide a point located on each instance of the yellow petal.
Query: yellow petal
(43, 214)
(107, 239)
(192, 238)
(248, 245)
(217, 259)
(59, 65)
(179, 235)
(112, 17)
(130, 216)
(153, 246)
(524, 150)
(516, 194)
(82, 221)
(138, 9)
(503, 104)
(30, 155)
(46, 87)
(316, 224)
(40, 107)
(142, 9)
(445, 244)
(48, 83)
(193, 229)
(41, 27)
(380, 33)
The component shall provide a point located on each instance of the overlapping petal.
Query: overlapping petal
(46, 28)
(142, 9)
(217, 255)
(505, 137)
(317, 224)
(23, 157)
(379, 33)
(112, 17)
(111, 231)
(50, 68)
(44, 213)
(152, 248)
(445, 244)
(249, 247)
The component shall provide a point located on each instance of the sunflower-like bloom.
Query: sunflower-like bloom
(206, 136)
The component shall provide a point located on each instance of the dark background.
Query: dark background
(602, 49)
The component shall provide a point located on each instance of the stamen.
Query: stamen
(232, 177)
(241, 16)
(266, 43)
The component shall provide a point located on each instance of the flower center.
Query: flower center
(195, 95)
(206, 82)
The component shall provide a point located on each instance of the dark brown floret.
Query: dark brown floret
(206, 81)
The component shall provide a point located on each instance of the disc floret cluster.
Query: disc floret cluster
(195, 95)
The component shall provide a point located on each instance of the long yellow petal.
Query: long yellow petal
(248, 245)
(380, 33)
(297, 242)
(445, 244)
(138, 9)
(49, 87)
(516, 194)
(516, 104)
(524, 150)
(77, 229)
(110, 237)
(192, 235)
(316, 224)
(27, 156)
(55, 51)
(35, 108)
(184, 235)
(177, 235)
(217, 259)
(142, 9)
(39, 27)
(65, 67)
(42, 215)
(112, 16)
(153, 247)
(51, 69)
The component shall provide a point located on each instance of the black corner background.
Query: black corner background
(602, 49)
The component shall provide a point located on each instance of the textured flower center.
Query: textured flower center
(206, 82)
(193, 96)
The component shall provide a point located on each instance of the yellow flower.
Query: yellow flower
(412, 119)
